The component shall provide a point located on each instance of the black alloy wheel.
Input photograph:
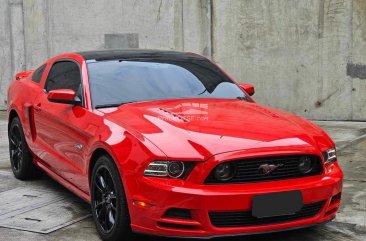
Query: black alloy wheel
(16, 148)
(21, 159)
(105, 200)
(108, 199)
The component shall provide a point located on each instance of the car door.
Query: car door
(59, 127)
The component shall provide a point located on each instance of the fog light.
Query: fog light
(305, 165)
(225, 171)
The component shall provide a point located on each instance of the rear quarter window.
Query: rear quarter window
(37, 74)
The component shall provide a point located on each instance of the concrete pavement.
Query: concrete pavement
(51, 212)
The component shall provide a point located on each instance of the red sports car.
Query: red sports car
(166, 143)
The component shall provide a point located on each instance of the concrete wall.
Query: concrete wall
(304, 56)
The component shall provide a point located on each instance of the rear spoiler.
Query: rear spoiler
(24, 74)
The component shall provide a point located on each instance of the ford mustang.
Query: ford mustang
(166, 143)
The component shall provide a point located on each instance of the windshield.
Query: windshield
(123, 81)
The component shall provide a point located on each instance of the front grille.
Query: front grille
(245, 219)
(248, 169)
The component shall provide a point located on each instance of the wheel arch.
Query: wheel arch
(12, 114)
(94, 157)
(98, 152)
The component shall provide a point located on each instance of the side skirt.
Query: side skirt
(86, 197)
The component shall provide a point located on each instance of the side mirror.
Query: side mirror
(247, 88)
(63, 96)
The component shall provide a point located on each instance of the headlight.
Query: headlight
(172, 169)
(306, 164)
(175, 169)
(225, 171)
(330, 156)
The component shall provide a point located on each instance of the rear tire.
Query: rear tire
(108, 200)
(21, 159)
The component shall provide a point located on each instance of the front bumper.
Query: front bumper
(201, 199)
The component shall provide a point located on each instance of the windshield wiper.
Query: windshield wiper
(244, 98)
(112, 105)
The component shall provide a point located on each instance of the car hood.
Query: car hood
(200, 128)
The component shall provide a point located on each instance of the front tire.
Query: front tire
(108, 200)
(21, 159)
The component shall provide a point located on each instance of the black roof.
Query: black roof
(100, 55)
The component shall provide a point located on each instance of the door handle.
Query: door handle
(37, 107)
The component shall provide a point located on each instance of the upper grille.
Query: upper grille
(244, 219)
(248, 169)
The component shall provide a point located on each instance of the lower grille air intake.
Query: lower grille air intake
(245, 219)
(179, 213)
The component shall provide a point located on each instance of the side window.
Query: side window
(64, 75)
(37, 74)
